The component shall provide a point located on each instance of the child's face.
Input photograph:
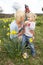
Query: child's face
(30, 18)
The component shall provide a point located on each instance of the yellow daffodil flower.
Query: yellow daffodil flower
(0, 41)
(4, 26)
(8, 24)
(13, 32)
(31, 40)
(8, 28)
(8, 34)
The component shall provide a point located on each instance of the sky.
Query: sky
(34, 5)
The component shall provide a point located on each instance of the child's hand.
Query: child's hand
(26, 22)
(33, 38)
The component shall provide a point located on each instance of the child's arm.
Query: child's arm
(21, 33)
(23, 27)
(32, 32)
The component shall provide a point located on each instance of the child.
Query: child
(15, 25)
(29, 33)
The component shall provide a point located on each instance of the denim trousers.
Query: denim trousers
(25, 40)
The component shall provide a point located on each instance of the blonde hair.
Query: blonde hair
(19, 14)
(32, 15)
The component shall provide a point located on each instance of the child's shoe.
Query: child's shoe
(25, 55)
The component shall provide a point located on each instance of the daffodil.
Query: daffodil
(13, 32)
(4, 20)
(31, 40)
(8, 28)
(8, 24)
(8, 34)
(4, 26)
(0, 41)
(0, 18)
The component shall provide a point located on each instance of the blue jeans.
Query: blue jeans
(25, 40)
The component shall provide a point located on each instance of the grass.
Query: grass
(10, 53)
